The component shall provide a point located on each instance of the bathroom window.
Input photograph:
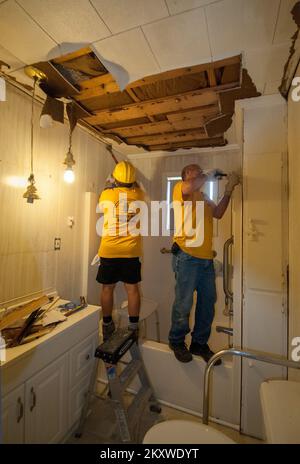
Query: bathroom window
(210, 189)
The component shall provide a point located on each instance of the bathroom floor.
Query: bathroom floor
(100, 429)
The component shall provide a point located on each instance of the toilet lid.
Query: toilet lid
(185, 432)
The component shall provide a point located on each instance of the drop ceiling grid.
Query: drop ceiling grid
(61, 19)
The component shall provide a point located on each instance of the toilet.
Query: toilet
(280, 401)
(185, 432)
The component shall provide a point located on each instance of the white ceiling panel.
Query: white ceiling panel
(21, 36)
(266, 65)
(286, 26)
(129, 51)
(10, 59)
(237, 25)
(67, 20)
(121, 15)
(178, 6)
(180, 40)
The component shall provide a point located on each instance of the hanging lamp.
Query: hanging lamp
(31, 191)
(69, 175)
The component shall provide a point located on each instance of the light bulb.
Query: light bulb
(69, 176)
(46, 121)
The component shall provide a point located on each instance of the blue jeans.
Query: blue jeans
(193, 274)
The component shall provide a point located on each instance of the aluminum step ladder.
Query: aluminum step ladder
(111, 352)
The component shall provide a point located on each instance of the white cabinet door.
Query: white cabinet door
(13, 416)
(46, 404)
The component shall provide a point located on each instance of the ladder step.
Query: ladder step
(138, 404)
(129, 373)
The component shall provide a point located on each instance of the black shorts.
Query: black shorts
(113, 270)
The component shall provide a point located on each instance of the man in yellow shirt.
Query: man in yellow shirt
(193, 262)
(121, 246)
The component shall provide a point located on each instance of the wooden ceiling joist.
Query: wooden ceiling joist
(206, 143)
(180, 108)
(171, 137)
(153, 107)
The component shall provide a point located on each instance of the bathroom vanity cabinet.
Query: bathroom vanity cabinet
(43, 383)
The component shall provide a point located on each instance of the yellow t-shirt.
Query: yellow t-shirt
(119, 220)
(203, 251)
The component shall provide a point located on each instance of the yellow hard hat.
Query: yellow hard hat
(124, 172)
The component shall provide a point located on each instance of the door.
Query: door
(46, 404)
(13, 416)
(264, 255)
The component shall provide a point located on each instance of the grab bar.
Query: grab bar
(243, 354)
(225, 330)
(227, 291)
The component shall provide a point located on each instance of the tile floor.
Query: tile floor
(100, 425)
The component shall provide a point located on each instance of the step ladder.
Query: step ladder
(111, 352)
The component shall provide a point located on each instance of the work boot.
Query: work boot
(204, 351)
(181, 352)
(107, 330)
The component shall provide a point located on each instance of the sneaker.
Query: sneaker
(108, 330)
(204, 351)
(181, 352)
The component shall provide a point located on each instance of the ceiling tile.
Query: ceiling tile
(237, 25)
(178, 6)
(266, 65)
(180, 40)
(67, 20)
(129, 50)
(286, 26)
(10, 59)
(21, 36)
(121, 15)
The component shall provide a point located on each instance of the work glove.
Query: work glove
(233, 180)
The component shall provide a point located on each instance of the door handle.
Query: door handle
(21, 410)
(33, 399)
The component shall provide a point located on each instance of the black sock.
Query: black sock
(134, 319)
(107, 319)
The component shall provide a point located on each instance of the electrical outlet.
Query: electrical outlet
(57, 243)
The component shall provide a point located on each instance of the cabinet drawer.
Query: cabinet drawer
(81, 359)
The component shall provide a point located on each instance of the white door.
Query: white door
(46, 404)
(264, 263)
(13, 416)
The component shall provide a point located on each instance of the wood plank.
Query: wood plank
(72, 55)
(212, 77)
(97, 81)
(189, 135)
(189, 71)
(193, 119)
(103, 89)
(206, 143)
(22, 311)
(142, 129)
(153, 107)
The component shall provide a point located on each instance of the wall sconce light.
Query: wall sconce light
(31, 191)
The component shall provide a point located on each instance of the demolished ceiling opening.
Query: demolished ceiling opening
(182, 108)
